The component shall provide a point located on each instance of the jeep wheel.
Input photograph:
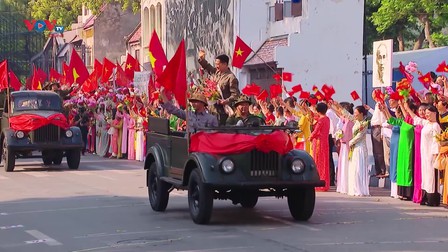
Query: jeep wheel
(200, 198)
(158, 190)
(301, 203)
(73, 159)
(47, 157)
(57, 159)
(249, 199)
(9, 158)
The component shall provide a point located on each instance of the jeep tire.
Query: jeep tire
(47, 157)
(249, 199)
(73, 159)
(158, 190)
(200, 198)
(57, 158)
(9, 158)
(301, 202)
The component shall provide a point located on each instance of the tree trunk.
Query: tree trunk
(425, 21)
(419, 42)
(400, 41)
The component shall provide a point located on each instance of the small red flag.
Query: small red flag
(354, 95)
(396, 96)
(277, 77)
(442, 67)
(304, 95)
(328, 90)
(54, 75)
(297, 88)
(378, 95)
(14, 81)
(287, 76)
(405, 73)
(121, 78)
(98, 68)
(91, 84)
(251, 89)
(240, 53)
(425, 80)
(108, 68)
(275, 90)
(315, 88)
(38, 79)
(3, 75)
(131, 66)
(263, 95)
(319, 96)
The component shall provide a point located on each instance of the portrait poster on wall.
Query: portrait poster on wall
(382, 63)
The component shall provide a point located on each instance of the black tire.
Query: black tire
(200, 198)
(158, 190)
(47, 160)
(57, 159)
(73, 159)
(249, 199)
(9, 158)
(301, 203)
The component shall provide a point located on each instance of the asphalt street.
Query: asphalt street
(103, 206)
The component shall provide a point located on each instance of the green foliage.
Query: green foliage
(408, 18)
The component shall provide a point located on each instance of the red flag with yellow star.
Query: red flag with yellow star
(241, 52)
(108, 68)
(14, 81)
(425, 80)
(121, 78)
(132, 65)
(77, 68)
(157, 55)
(38, 79)
(98, 68)
(442, 67)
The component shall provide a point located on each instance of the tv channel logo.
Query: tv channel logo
(42, 25)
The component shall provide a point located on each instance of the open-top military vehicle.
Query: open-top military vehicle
(250, 168)
(33, 121)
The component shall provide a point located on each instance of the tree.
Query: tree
(417, 20)
(65, 12)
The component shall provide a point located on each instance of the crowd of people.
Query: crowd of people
(403, 130)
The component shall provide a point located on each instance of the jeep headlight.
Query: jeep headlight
(69, 133)
(20, 134)
(227, 166)
(297, 166)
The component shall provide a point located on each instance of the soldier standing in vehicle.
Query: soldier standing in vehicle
(242, 116)
(56, 87)
(199, 118)
(225, 80)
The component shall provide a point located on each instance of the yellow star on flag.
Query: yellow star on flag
(239, 52)
(152, 59)
(39, 86)
(75, 75)
(128, 66)
(426, 79)
(446, 69)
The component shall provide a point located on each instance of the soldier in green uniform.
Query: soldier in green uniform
(242, 116)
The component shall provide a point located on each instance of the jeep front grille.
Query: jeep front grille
(264, 164)
(46, 134)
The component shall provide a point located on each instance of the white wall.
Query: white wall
(328, 48)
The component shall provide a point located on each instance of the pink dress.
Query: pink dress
(417, 197)
(321, 148)
(131, 139)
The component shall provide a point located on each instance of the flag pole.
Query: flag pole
(272, 69)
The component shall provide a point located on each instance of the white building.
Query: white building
(319, 41)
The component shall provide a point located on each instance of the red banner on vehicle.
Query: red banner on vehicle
(29, 122)
(223, 143)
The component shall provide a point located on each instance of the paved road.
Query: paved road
(103, 207)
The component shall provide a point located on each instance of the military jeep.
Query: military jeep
(25, 129)
(242, 178)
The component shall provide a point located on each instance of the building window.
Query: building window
(146, 31)
(89, 58)
(152, 18)
(278, 11)
(286, 8)
(137, 55)
(296, 8)
(159, 19)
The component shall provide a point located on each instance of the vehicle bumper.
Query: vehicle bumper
(46, 146)
(269, 184)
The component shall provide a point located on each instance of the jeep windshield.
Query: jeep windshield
(34, 101)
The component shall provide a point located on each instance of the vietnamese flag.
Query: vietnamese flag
(121, 78)
(263, 95)
(54, 75)
(354, 95)
(319, 96)
(157, 55)
(240, 53)
(297, 88)
(132, 65)
(174, 77)
(91, 84)
(287, 76)
(98, 68)
(3, 75)
(425, 80)
(77, 68)
(14, 81)
(275, 90)
(442, 67)
(38, 79)
(66, 78)
(405, 73)
(251, 89)
(107, 71)
(304, 95)
(277, 77)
